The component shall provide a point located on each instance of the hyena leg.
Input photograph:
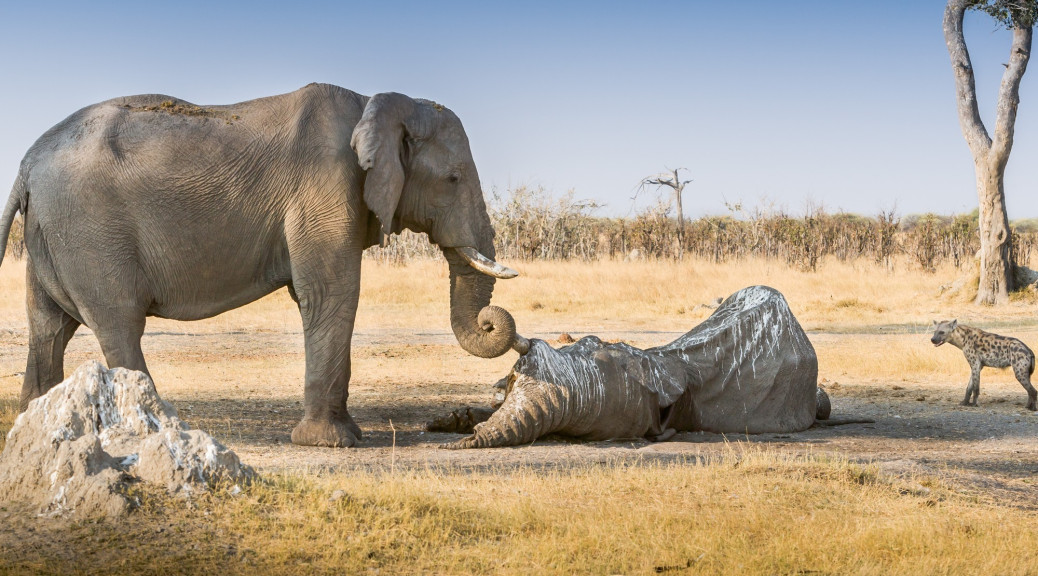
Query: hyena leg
(1023, 376)
(973, 388)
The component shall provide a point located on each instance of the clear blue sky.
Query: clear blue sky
(845, 104)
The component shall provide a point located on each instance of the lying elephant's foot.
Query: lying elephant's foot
(664, 436)
(474, 441)
(462, 421)
(329, 433)
(462, 444)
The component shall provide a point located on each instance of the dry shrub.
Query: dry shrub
(402, 248)
(531, 224)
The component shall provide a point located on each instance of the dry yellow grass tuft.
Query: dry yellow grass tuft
(8, 412)
(750, 511)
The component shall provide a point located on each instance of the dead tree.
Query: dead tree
(671, 179)
(991, 154)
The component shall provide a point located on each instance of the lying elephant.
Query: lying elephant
(152, 206)
(748, 368)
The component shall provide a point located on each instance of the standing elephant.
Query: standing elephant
(153, 206)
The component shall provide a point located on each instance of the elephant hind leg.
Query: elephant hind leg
(119, 334)
(50, 329)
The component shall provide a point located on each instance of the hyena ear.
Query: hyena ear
(954, 323)
(934, 322)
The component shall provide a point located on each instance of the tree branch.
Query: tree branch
(1009, 96)
(965, 85)
(660, 182)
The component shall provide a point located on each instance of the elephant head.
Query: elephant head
(421, 177)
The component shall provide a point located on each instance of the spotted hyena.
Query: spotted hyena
(986, 349)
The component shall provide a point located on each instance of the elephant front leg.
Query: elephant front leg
(328, 312)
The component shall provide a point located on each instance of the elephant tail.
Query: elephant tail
(17, 201)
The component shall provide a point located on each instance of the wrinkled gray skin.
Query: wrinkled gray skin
(748, 368)
(151, 206)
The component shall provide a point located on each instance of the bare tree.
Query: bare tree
(671, 179)
(990, 154)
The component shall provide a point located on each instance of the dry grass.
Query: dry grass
(8, 412)
(663, 295)
(911, 357)
(670, 295)
(750, 511)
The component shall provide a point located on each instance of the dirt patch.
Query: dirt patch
(245, 388)
(179, 107)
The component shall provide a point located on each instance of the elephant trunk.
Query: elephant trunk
(481, 329)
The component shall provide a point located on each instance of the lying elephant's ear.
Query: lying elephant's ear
(379, 139)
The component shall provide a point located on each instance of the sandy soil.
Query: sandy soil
(245, 387)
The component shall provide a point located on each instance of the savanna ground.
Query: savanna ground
(930, 488)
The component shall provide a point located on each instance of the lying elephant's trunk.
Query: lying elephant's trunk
(481, 329)
(521, 345)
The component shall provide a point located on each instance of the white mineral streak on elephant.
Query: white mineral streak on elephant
(748, 368)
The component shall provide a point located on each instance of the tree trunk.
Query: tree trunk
(996, 269)
(990, 155)
(678, 188)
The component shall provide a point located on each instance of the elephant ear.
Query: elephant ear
(381, 140)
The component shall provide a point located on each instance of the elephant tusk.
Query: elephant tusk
(484, 264)
(521, 345)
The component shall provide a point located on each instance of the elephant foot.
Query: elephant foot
(664, 436)
(328, 433)
(462, 421)
(459, 445)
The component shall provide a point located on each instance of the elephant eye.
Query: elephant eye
(453, 178)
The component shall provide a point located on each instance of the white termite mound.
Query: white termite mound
(77, 449)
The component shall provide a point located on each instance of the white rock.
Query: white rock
(75, 448)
